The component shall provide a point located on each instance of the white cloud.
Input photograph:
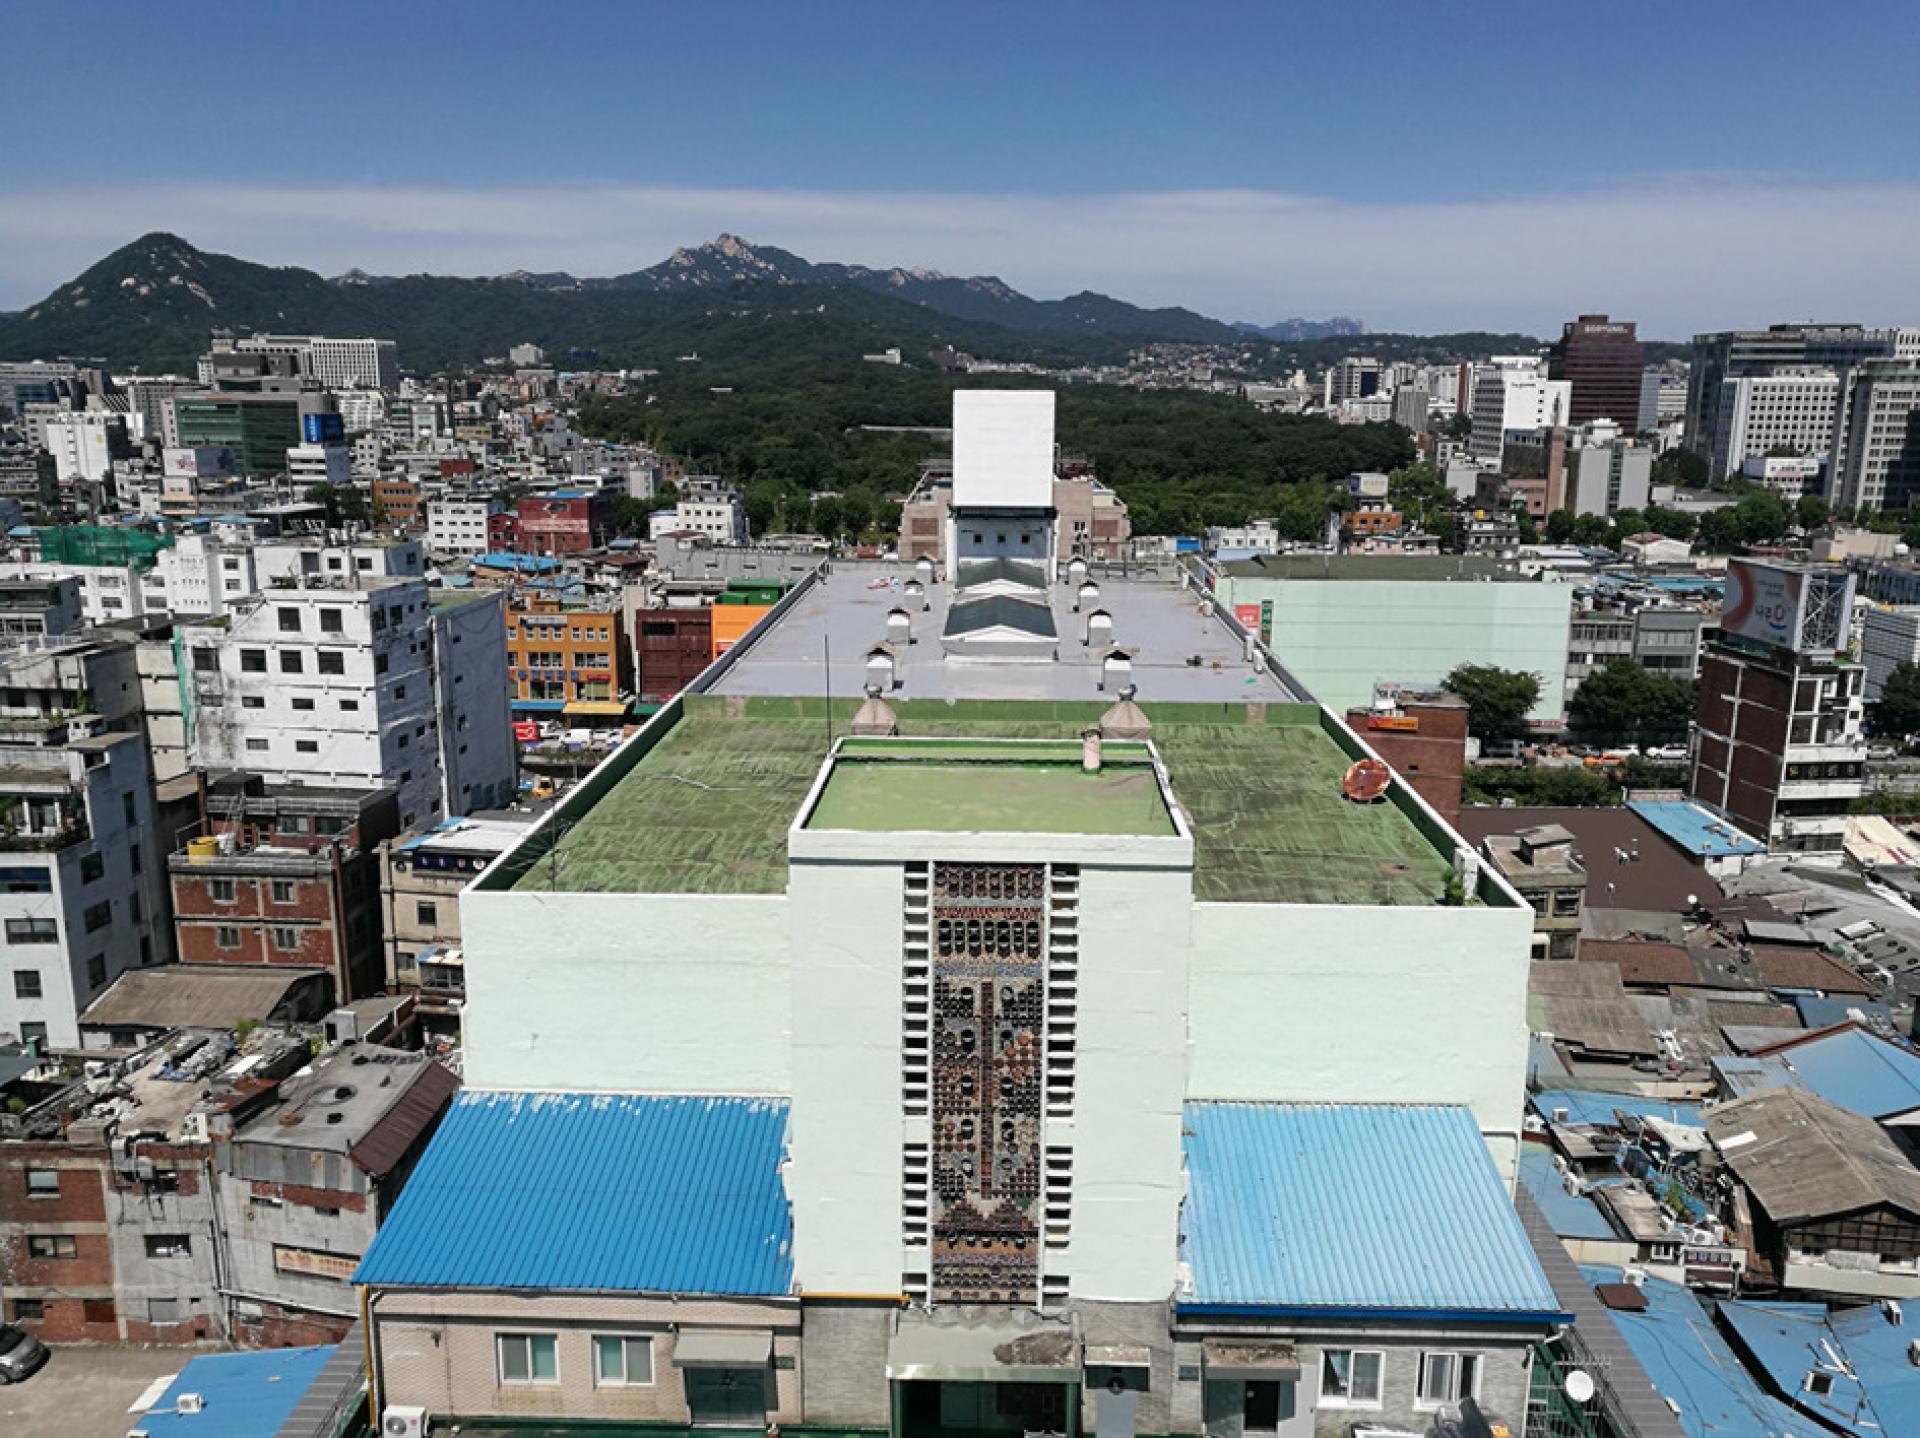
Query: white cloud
(1675, 252)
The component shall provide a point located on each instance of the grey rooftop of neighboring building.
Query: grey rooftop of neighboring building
(846, 615)
(346, 1097)
(1372, 566)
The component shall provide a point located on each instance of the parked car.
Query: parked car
(1668, 754)
(21, 1354)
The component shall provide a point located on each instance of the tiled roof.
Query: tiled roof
(595, 1193)
(1351, 1208)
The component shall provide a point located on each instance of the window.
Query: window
(302, 702)
(332, 622)
(306, 746)
(51, 1245)
(330, 661)
(225, 936)
(1447, 1378)
(29, 1310)
(289, 619)
(379, 664)
(98, 916)
(527, 1358)
(349, 706)
(206, 661)
(286, 940)
(26, 984)
(283, 891)
(256, 746)
(34, 1035)
(1350, 1377)
(622, 1362)
(291, 662)
(43, 1183)
(220, 890)
(33, 931)
(169, 1245)
(1819, 1384)
(399, 692)
(97, 972)
(93, 868)
(253, 661)
(253, 701)
(163, 1310)
(425, 913)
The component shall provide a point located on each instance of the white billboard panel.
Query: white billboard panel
(1003, 448)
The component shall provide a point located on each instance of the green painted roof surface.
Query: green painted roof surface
(707, 809)
(980, 795)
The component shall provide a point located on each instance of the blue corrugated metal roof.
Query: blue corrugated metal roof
(1571, 1215)
(524, 563)
(1783, 1342)
(1817, 1011)
(595, 1192)
(1877, 1350)
(1694, 1369)
(1856, 1071)
(1591, 1107)
(1694, 829)
(1331, 1207)
(247, 1394)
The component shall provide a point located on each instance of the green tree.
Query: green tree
(761, 502)
(1560, 526)
(630, 516)
(1497, 699)
(1529, 530)
(1591, 529)
(1460, 426)
(1681, 468)
(1630, 702)
(856, 512)
(1673, 523)
(1558, 788)
(343, 506)
(1628, 522)
(827, 517)
(1897, 713)
(1810, 511)
(1720, 531)
(1762, 516)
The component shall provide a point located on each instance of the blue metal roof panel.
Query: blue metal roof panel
(1694, 1369)
(1741, 1075)
(1817, 1011)
(596, 1193)
(1856, 1071)
(1597, 1109)
(1694, 829)
(247, 1394)
(1877, 1350)
(1784, 1341)
(1351, 1206)
(1571, 1215)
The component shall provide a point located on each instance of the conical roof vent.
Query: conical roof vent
(876, 719)
(1125, 719)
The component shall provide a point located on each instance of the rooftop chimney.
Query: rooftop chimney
(1090, 751)
(1124, 719)
(876, 719)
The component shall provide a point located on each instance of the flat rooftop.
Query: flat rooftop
(1180, 651)
(705, 805)
(958, 786)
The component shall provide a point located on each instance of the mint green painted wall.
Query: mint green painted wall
(1342, 636)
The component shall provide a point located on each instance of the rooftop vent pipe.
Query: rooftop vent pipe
(876, 719)
(1090, 751)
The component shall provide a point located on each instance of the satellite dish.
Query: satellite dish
(1578, 1385)
(1366, 781)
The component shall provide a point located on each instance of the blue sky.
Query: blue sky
(1423, 166)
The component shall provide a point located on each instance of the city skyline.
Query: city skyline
(1247, 165)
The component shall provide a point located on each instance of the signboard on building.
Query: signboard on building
(1398, 723)
(320, 1265)
(1807, 611)
(203, 461)
(1248, 616)
(1266, 622)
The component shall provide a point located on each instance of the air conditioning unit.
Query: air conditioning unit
(189, 1403)
(403, 1420)
(1636, 1276)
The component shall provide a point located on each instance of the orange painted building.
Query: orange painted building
(732, 621)
(562, 660)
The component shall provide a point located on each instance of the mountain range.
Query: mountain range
(152, 302)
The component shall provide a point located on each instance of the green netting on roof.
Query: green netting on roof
(96, 544)
(707, 809)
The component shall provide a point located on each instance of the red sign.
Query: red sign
(526, 731)
(1400, 723)
(1248, 615)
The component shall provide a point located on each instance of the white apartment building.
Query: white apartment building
(1607, 473)
(1889, 637)
(83, 898)
(459, 526)
(1792, 408)
(85, 443)
(311, 464)
(1513, 392)
(356, 683)
(1880, 465)
(337, 364)
(718, 515)
(1788, 475)
(361, 410)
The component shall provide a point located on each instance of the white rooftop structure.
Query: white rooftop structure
(1003, 449)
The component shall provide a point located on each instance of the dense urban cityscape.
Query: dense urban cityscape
(761, 843)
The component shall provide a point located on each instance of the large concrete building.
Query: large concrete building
(1512, 393)
(1602, 360)
(1879, 465)
(1788, 409)
(1348, 623)
(929, 1061)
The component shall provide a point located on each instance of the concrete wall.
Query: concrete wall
(438, 1350)
(844, 1177)
(1363, 1005)
(651, 993)
(1342, 636)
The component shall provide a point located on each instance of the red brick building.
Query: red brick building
(670, 647)
(1423, 738)
(400, 501)
(565, 521)
(287, 877)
